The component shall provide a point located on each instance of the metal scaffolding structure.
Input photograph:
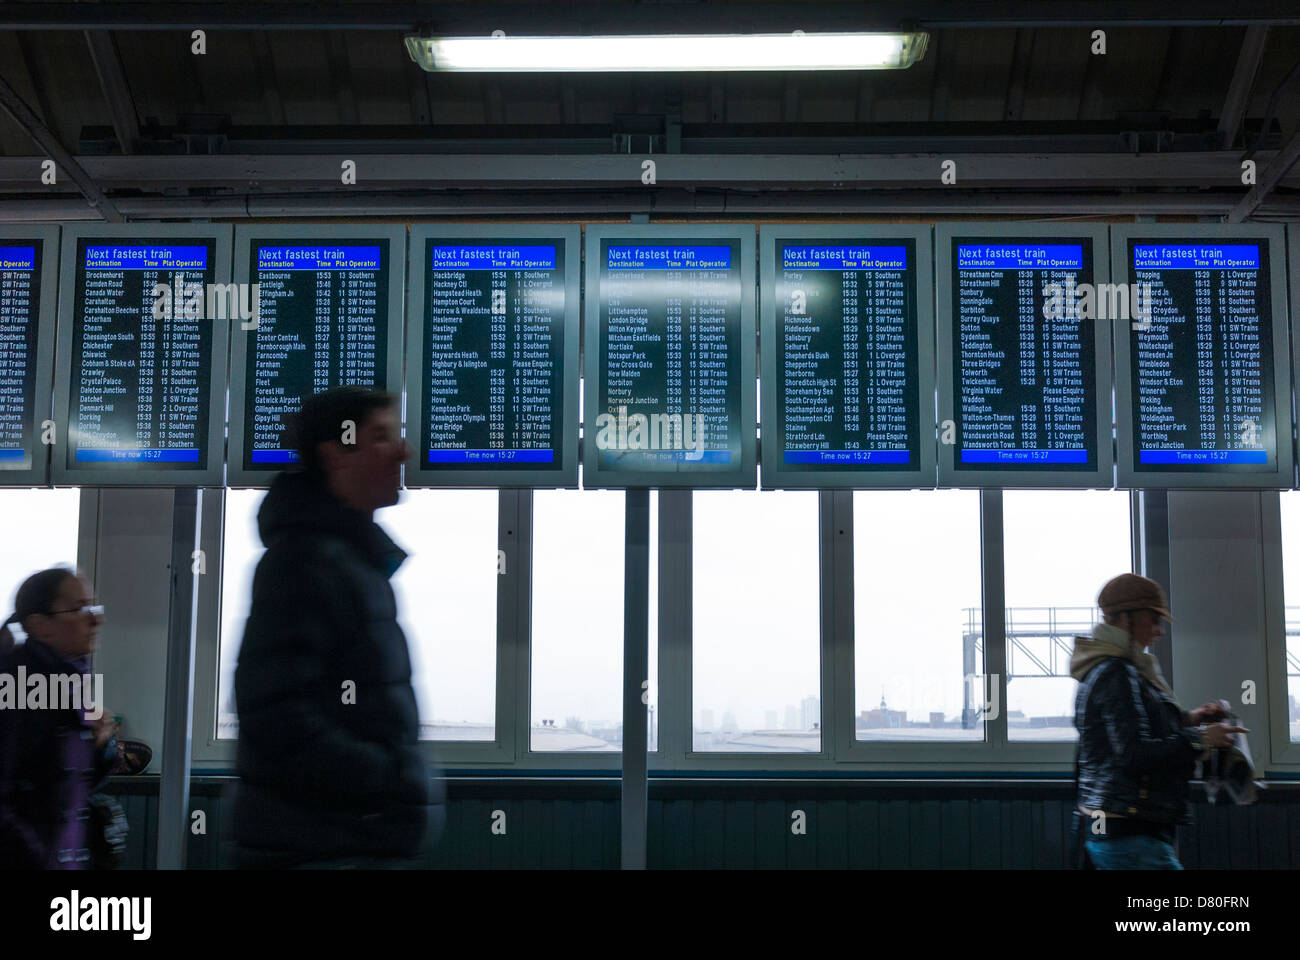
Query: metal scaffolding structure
(1039, 643)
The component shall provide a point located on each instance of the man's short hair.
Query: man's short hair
(322, 417)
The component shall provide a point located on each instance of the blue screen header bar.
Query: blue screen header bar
(319, 258)
(145, 257)
(808, 257)
(490, 256)
(1020, 256)
(666, 256)
(17, 258)
(1196, 256)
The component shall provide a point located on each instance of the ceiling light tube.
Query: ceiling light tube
(784, 51)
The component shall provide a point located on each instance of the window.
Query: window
(446, 594)
(918, 615)
(755, 636)
(577, 620)
(240, 550)
(1290, 502)
(1060, 546)
(447, 604)
(652, 628)
(40, 531)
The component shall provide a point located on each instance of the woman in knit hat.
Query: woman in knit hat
(1137, 747)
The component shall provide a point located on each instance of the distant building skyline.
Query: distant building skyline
(810, 713)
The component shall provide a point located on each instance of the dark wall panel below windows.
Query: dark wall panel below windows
(747, 824)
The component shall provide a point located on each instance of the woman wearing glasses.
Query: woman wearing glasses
(56, 744)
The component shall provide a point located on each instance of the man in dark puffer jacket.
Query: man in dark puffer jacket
(330, 773)
(1137, 748)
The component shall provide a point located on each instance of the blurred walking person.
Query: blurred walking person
(54, 752)
(329, 766)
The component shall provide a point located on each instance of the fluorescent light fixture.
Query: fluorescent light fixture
(783, 51)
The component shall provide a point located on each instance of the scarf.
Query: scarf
(1112, 641)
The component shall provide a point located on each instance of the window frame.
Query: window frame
(996, 753)
(219, 755)
(841, 752)
(685, 758)
(1284, 755)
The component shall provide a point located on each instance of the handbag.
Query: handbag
(133, 757)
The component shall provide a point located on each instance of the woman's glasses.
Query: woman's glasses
(89, 610)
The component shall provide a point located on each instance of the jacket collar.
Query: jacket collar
(297, 504)
(1111, 641)
(46, 659)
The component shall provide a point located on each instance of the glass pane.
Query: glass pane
(40, 528)
(1060, 547)
(755, 637)
(241, 548)
(652, 630)
(1291, 596)
(445, 604)
(917, 615)
(577, 620)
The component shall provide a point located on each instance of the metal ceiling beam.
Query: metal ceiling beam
(265, 75)
(864, 107)
(1060, 171)
(417, 95)
(1176, 136)
(340, 71)
(191, 98)
(941, 70)
(1273, 174)
(1170, 69)
(1243, 81)
(117, 93)
(27, 54)
(1090, 94)
(27, 170)
(568, 101)
(790, 98)
(1022, 56)
(594, 16)
(494, 103)
(601, 205)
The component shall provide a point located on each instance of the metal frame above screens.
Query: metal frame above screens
(210, 475)
(950, 475)
(775, 475)
(418, 474)
(245, 237)
(744, 475)
(1129, 476)
(47, 286)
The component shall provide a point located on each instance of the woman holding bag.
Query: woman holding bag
(1137, 748)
